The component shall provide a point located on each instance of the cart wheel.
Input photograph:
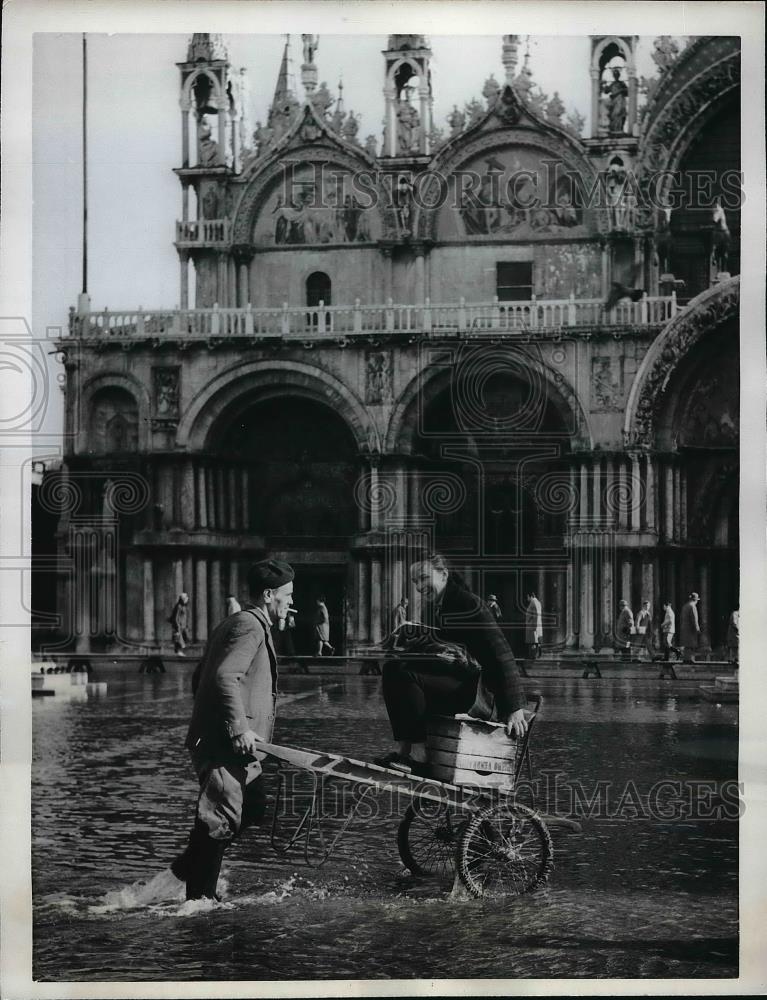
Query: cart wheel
(505, 850)
(427, 845)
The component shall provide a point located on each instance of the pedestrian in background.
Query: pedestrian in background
(533, 626)
(179, 622)
(668, 631)
(495, 607)
(624, 628)
(644, 627)
(400, 614)
(322, 628)
(733, 636)
(689, 628)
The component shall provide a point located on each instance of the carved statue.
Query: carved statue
(665, 51)
(408, 122)
(617, 93)
(206, 147)
(351, 127)
(575, 122)
(456, 120)
(664, 240)
(474, 111)
(262, 136)
(311, 44)
(371, 145)
(210, 204)
(490, 91)
(322, 100)
(721, 239)
(555, 109)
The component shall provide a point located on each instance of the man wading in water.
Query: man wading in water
(235, 689)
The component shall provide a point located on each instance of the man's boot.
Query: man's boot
(199, 865)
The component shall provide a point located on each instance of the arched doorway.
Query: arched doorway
(507, 440)
(699, 425)
(301, 460)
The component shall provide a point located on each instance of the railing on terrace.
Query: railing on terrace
(302, 322)
(202, 232)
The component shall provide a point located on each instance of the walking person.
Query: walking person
(644, 627)
(235, 688)
(494, 606)
(689, 628)
(471, 670)
(322, 628)
(624, 628)
(733, 636)
(179, 622)
(533, 626)
(668, 631)
(400, 614)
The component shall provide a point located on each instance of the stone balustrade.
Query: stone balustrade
(309, 322)
(203, 233)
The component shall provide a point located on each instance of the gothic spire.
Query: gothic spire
(283, 92)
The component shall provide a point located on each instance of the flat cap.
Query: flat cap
(269, 574)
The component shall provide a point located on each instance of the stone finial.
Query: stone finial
(207, 48)
(509, 55)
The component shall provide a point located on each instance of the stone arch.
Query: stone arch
(690, 92)
(429, 383)
(547, 140)
(702, 316)
(620, 43)
(114, 380)
(186, 93)
(259, 187)
(232, 390)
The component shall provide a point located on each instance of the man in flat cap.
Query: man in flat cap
(235, 688)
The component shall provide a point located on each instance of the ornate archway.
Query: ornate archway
(703, 315)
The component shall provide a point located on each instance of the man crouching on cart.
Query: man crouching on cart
(235, 695)
(484, 683)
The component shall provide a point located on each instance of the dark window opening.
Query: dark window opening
(318, 289)
(514, 281)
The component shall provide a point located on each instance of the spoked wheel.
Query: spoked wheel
(505, 850)
(428, 844)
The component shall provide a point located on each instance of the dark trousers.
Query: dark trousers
(228, 804)
(415, 690)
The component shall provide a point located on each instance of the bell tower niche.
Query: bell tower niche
(408, 97)
(613, 86)
(212, 127)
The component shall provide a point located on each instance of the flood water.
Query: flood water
(648, 889)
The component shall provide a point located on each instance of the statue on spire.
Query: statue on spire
(311, 44)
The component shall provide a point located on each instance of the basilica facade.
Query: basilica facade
(500, 339)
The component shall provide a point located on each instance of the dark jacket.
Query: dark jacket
(236, 685)
(464, 618)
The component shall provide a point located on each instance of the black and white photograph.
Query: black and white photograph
(375, 533)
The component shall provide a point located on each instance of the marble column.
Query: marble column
(234, 579)
(215, 602)
(587, 602)
(570, 603)
(609, 492)
(596, 492)
(608, 598)
(363, 600)
(183, 263)
(232, 489)
(200, 623)
(636, 493)
(178, 576)
(668, 502)
(188, 578)
(623, 498)
(677, 506)
(210, 489)
(375, 516)
(187, 495)
(583, 505)
(626, 580)
(375, 599)
(650, 498)
(245, 494)
(683, 504)
(221, 504)
(573, 508)
(202, 500)
(704, 605)
(149, 634)
(244, 297)
(648, 583)
(420, 281)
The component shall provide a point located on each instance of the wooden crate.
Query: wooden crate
(472, 752)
